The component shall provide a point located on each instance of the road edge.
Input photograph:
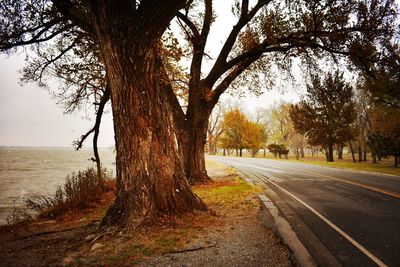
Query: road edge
(272, 219)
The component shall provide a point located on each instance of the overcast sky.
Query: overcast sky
(29, 117)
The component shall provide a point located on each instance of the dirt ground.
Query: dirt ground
(230, 235)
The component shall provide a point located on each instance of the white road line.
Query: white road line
(331, 224)
(268, 169)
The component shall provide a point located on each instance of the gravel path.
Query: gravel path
(243, 243)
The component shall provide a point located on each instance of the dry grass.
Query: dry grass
(81, 191)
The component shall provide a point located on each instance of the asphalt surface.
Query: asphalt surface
(343, 217)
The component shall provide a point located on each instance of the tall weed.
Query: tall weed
(79, 191)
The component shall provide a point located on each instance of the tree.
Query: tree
(214, 130)
(82, 80)
(362, 105)
(254, 136)
(383, 82)
(283, 131)
(384, 136)
(150, 176)
(263, 118)
(281, 124)
(297, 142)
(326, 113)
(147, 116)
(233, 126)
(270, 33)
(239, 133)
(278, 150)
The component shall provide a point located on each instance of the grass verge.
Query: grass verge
(386, 166)
(383, 168)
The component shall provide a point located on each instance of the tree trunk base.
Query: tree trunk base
(199, 179)
(117, 220)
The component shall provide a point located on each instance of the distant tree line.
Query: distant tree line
(331, 116)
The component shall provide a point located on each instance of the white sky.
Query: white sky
(29, 117)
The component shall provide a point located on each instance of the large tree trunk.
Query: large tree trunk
(149, 171)
(192, 143)
(150, 175)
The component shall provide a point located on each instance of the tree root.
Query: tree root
(49, 232)
(195, 248)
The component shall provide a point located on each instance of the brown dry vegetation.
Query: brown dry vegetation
(232, 221)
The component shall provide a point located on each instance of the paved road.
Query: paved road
(343, 217)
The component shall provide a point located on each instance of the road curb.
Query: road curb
(272, 219)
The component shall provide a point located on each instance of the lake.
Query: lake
(30, 172)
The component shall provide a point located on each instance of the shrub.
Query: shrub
(79, 191)
(18, 216)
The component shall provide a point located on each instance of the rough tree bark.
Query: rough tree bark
(192, 142)
(150, 175)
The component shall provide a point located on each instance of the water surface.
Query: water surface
(27, 172)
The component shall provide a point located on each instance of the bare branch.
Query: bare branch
(230, 41)
(194, 31)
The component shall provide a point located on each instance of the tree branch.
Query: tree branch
(35, 39)
(245, 17)
(190, 24)
(179, 116)
(198, 47)
(96, 128)
(63, 52)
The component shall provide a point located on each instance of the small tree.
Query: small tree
(278, 150)
(263, 118)
(233, 130)
(239, 133)
(326, 113)
(254, 136)
(281, 125)
(214, 129)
